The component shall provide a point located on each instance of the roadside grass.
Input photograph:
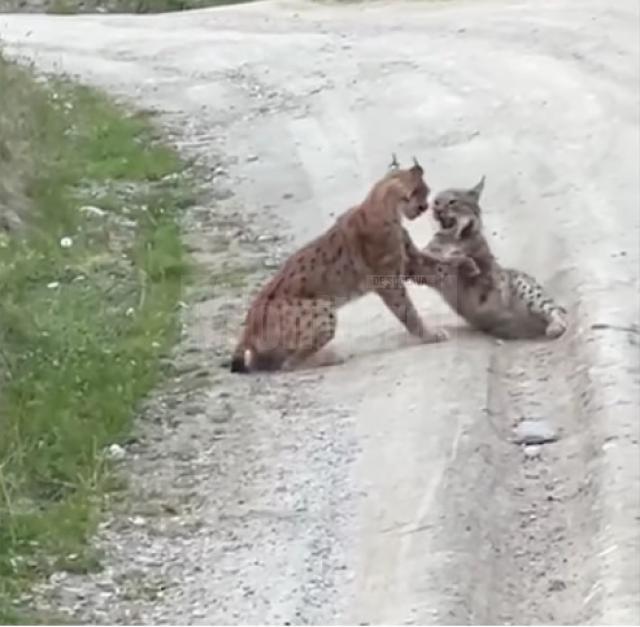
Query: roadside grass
(70, 7)
(91, 276)
(133, 6)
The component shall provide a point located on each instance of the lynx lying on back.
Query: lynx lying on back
(503, 302)
(366, 250)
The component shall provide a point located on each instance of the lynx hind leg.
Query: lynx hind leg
(311, 325)
(397, 300)
(540, 304)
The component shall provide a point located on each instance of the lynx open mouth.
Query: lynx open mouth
(447, 222)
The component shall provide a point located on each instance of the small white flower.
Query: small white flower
(66, 242)
(116, 452)
(94, 211)
(53, 285)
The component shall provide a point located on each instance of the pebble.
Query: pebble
(252, 158)
(557, 585)
(535, 432)
(532, 451)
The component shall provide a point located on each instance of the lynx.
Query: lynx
(294, 315)
(503, 302)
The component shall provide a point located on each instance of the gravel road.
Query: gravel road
(387, 489)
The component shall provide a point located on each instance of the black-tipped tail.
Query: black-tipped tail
(238, 364)
(247, 360)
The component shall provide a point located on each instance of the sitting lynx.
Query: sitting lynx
(503, 302)
(294, 315)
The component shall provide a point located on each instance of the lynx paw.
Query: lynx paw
(466, 265)
(469, 267)
(432, 336)
(325, 359)
(556, 327)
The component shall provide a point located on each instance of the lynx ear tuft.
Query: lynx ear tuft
(476, 191)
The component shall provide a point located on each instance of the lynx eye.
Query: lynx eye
(451, 202)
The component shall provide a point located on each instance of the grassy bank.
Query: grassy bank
(110, 6)
(91, 271)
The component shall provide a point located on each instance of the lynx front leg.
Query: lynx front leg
(450, 264)
(397, 300)
(425, 268)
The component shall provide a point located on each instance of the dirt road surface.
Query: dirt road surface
(387, 489)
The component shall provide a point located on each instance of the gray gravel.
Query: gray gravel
(388, 489)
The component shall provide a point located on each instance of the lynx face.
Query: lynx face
(417, 199)
(417, 189)
(458, 210)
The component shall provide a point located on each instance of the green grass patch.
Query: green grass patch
(133, 6)
(91, 277)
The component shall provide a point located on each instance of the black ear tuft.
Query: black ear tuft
(476, 191)
(238, 365)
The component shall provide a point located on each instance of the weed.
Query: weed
(133, 6)
(88, 308)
